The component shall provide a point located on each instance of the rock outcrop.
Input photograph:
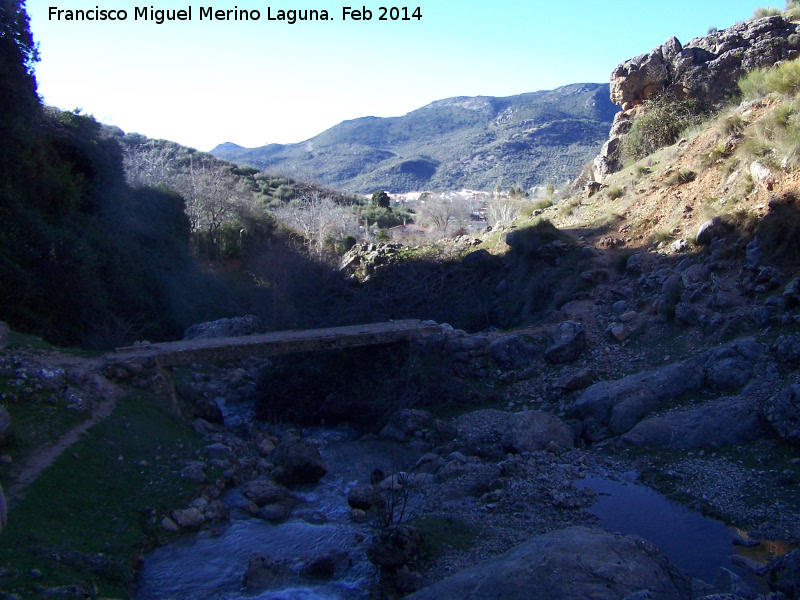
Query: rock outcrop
(571, 563)
(706, 69)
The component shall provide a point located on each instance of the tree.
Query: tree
(19, 103)
(318, 219)
(381, 198)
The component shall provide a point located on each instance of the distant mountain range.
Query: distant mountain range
(473, 142)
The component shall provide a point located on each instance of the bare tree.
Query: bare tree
(503, 209)
(318, 219)
(443, 214)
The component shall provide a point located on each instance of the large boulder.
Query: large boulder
(614, 407)
(537, 430)
(567, 341)
(783, 413)
(481, 432)
(576, 563)
(721, 422)
(297, 461)
(511, 352)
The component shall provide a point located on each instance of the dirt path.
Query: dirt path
(42, 458)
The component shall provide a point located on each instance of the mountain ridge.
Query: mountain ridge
(463, 141)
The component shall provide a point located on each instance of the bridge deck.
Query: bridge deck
(217, 350)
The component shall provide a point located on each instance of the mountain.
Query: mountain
(475, 142)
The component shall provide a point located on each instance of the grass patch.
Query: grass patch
(775, 139)
(89, 517)
(567, 207)
(780, 79)
(38, 418)
(443, 533)
(615, 192)
(681, 176)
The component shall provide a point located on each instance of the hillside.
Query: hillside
(477, 142)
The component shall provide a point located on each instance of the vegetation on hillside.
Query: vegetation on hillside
(450, 144)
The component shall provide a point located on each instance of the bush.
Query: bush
(780, 79)
(660, 125)
(762, 12)
(775, 140)
(615, 192)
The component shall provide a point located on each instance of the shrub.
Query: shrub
(781, 79)
(681, 176)
(765, 12)
(615, 192)
(660, 125)
(775, 140)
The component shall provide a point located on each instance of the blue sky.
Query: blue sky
(201, 83)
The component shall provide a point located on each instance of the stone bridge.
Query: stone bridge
(221, 350)
(127, 362)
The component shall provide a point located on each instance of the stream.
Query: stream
(211, 564)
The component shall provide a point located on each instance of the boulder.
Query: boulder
(189, 517)
(481, 432)
(363, 496)
(783, 413)
(405, 423)
(218, 451)
(265, 491)
(511, 352)
(263, 573)
(619, 405)
(577, 563)
(783, 574)
(721, 422)
(567, 341)
(297, 461)
(537, 430)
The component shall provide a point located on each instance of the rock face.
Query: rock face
(719, 423)
(705, 69)
(614, 407)
(600, 566)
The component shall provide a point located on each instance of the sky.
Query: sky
(253, 82)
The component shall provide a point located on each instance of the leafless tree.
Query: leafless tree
(318, 219)
(442, 214)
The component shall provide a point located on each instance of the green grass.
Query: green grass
(783, 78)
(90, 516)
(38, 418)
(443, 533)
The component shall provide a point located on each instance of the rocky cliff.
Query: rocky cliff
(706, 69)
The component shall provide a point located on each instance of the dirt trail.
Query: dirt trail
(42, 458)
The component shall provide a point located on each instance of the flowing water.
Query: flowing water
(211, 565)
